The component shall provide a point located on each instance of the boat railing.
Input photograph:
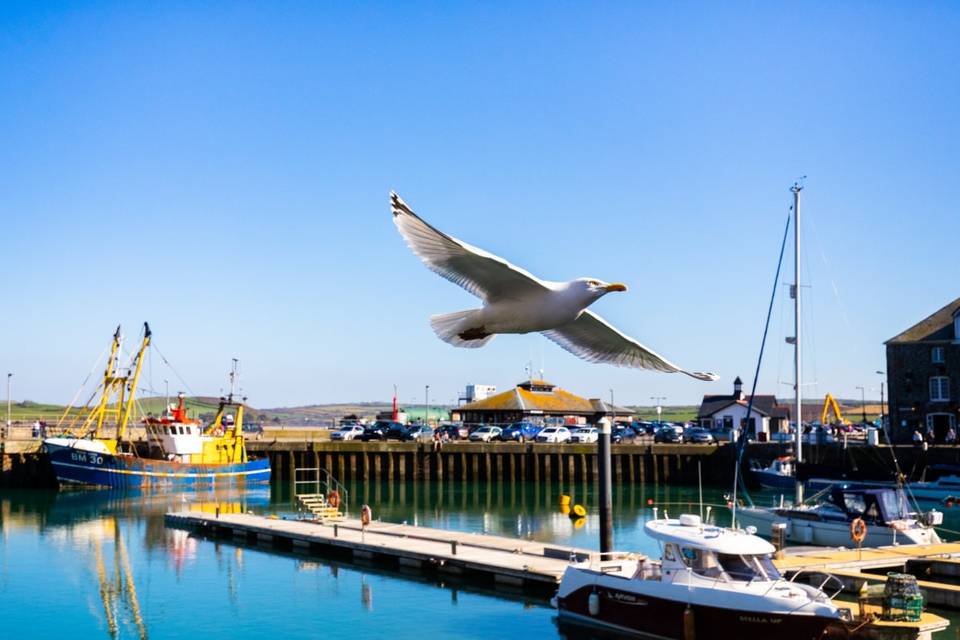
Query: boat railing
(827, 578)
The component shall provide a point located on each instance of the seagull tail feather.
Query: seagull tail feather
(699, 375)
(461, 329)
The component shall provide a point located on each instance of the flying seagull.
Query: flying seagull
(516, 301)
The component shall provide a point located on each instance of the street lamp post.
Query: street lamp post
(659, 400)
(426, 405)
(863, 403)
(883, 413)
(9, 375)
(613, 407)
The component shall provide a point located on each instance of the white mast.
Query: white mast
(797, 361)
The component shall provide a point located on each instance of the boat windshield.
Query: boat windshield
(748, 567)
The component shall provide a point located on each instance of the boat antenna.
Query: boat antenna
(741, 444)
(234, 376)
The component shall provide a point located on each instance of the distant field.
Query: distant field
(326, 414)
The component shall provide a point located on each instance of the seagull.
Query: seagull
(516, 301)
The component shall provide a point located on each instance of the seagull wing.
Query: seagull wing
(595, 340)
(481, 273)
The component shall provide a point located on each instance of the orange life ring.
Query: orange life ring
(333, 498)
(858, 530)
(366, 514)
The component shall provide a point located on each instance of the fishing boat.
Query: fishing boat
(709, 580)
(178, 451)
(779, 474)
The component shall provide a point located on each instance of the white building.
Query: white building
(727, 412)
(477, 392)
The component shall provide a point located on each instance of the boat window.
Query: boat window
(893, 505)
(703, 562)
(668, 553)
(766, 563)
(740, 567)
(854, 503)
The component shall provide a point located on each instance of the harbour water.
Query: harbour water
(101, 564)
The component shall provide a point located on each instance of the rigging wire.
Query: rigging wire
(175, 372)
(753, 391)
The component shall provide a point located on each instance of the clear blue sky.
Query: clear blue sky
(222, 169)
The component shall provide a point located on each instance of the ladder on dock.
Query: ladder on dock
(316, 505)
(313, 489)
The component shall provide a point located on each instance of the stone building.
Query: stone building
(923, 376)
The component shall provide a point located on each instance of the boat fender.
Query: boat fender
(333, 498)
(366, 515)
(593, 603)
(858, 530)
(689, 624)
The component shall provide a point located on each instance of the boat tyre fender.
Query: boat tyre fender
(858, 530)
(366, 515)
(333, 498)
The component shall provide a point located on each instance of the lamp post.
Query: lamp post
(613, 407)
(9, 375)
(883, 413)
(166, 394)
(659, 400)
(426, 405)
(863, 403)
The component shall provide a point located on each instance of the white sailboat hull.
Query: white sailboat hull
(831, 533)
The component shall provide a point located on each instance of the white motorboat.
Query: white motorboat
(709, 580)
(883, 510)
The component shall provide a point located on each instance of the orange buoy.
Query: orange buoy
(333, 498)
(366, 515)
(858, 530)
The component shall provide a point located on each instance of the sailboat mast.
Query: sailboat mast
(797, 360)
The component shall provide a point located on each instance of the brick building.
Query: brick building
(923, 375)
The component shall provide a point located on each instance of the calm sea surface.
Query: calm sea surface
(95, 564)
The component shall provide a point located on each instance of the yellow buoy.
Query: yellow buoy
(578, 511)
(565, 509)
(579, 522)
(564, 499)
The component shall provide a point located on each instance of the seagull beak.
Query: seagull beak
(616, 286)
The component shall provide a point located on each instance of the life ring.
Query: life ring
(333, 498)
(366, 515)
(858, 530)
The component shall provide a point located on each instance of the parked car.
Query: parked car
(698, 435)
(376, 431)
(623, 433)
(585, 435)
(486, 433)
(454, 431)
(348, 432)
(519, 432)
(554, 435)
(668, 435)
(419, 433)
(397, 431)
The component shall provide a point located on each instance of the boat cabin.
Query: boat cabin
(874, 506)
(688, 546)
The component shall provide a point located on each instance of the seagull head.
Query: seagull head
(593, 289)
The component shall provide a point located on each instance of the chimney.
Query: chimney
(738, 389)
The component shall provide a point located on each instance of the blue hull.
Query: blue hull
(74, 466)
(771, 480)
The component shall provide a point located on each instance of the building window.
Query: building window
(937, 355)
(939, 389)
